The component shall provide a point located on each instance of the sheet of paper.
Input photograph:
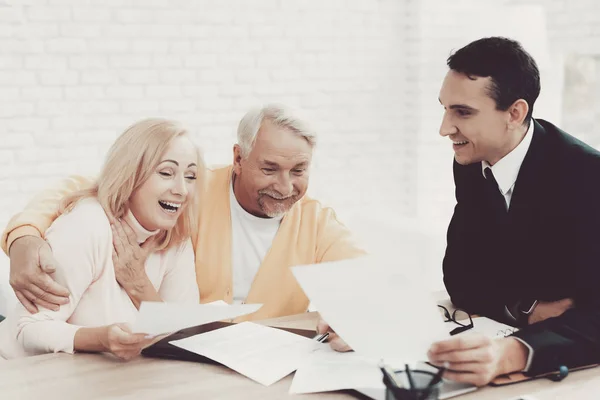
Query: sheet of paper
(261, 353)
(327, 370)
(486, 326)
(491, 328)
(379, 312)
(156, 318)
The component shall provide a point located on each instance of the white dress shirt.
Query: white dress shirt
(506, 172)
(507, 169)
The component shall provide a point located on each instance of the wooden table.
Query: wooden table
(96, 376)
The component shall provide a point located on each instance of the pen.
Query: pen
(389, 376)
(322, 338)
(409, 376)
(437, 378)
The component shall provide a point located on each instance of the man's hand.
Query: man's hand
(476, 359)
(31, 263)
(544, 310)
(334, 340)
(129, 260)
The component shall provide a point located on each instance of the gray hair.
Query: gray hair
(276, 114)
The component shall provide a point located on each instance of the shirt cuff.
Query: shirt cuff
(25, 230)
(529, 356)
(69, 345)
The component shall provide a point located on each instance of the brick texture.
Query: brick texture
(74, 74)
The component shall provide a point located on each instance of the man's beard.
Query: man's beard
(280, 205)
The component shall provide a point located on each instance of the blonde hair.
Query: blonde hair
(279, 115)
(130, 161)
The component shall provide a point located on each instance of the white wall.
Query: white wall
(75, 73)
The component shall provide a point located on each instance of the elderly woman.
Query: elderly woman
(148, 181)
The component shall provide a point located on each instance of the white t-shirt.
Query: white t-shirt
(251, 240)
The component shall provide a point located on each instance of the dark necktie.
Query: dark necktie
(496, 197)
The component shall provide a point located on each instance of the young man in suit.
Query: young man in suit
(523, 245)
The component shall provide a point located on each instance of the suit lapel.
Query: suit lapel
(530, 181)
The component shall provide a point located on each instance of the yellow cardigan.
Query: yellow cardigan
(309, 233)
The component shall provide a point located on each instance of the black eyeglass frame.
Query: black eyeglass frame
(452, 318)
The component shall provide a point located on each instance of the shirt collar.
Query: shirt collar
(141, 233)
(507, 169)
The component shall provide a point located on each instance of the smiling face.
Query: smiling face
(478, 130)
(162, 198)
(275, 174)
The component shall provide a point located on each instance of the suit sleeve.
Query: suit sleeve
(41, 211)
(573, 339)
(470, 285)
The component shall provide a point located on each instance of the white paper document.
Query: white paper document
(261, 353)
(485, 326)
(491, 328)
(156, 318)
(327, 370)
(379, 312)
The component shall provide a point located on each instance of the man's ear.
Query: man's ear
(517, 113)
(237, 159)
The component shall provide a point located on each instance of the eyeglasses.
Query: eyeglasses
(459, 317)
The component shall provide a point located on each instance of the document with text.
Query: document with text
(261, 353)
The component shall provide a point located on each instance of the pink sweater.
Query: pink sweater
(82, 245)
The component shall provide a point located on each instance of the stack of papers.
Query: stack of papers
(381, 313)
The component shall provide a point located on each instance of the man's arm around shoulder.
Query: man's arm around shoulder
(41, 211)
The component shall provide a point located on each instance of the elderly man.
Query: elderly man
(254, 223)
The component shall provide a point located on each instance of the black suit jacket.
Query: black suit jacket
(547, 247)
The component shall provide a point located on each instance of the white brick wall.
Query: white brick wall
(447, 26)
(75, 73)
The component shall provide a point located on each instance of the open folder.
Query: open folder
(164, 349)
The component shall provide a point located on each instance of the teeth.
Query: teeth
(463, 142)
(174, 206)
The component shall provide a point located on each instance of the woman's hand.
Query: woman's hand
(118, 340)
(129, 260)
